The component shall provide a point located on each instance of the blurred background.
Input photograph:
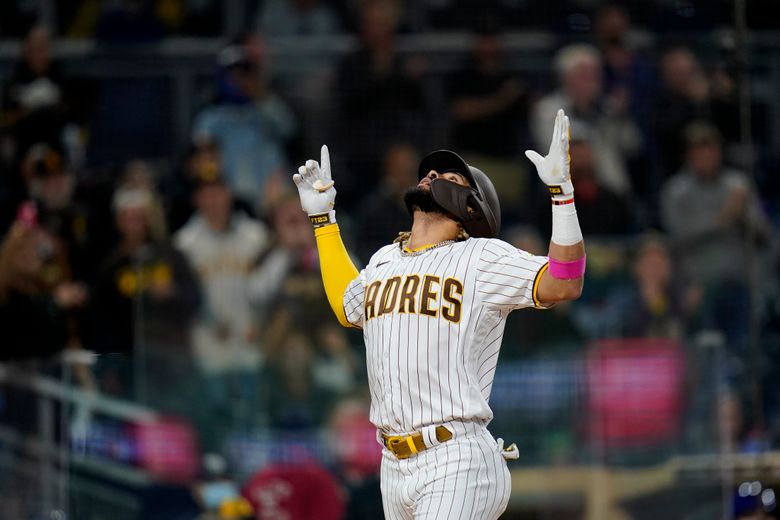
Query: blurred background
(167, 349)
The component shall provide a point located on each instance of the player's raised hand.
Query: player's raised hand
(315, 185)
(553, 168)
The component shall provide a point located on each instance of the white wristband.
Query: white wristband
(565, 225)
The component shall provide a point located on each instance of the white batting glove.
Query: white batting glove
(553, 169)
(510, 452)
(316, 189)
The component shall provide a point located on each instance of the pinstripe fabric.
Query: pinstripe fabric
(425, 369)
(465, 478)
(433, 324)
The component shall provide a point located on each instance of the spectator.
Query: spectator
(381, 210)
(708, 209)
(336, 365)
(352, 444)
(308, 83)
(179, 188)
(249, 122)
(33, 101)
(600, 210)
(294, 400)
(139, 175)
(217, 491)
(687, 95)
(64, 232)
(626, 71)
(289, 275)
(607, 120)
(53, 185)
(34, 313)
(681, 100)
(223, 246)
(628, 75)
(487, 105)
(380, 97)
(145, 293)
(657, 302)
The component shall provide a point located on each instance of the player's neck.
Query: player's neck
(429, 229)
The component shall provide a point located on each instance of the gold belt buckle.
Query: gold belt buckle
(402, 446)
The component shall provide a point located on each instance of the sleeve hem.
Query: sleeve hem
(538, 279)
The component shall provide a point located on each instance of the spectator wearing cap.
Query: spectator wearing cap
(224, 245)
(249, 122)
(713, 217)
(51, 183)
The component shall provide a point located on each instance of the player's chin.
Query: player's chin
(420, 197)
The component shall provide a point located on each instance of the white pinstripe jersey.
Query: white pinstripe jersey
(433, 324)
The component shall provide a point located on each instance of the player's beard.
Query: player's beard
(421, 199)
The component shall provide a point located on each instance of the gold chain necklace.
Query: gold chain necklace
(404, 252)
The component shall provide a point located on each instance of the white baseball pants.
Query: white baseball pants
(463, 478)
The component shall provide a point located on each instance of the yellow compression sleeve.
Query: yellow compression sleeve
(336, 267)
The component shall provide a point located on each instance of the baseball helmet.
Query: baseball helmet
(476, 207)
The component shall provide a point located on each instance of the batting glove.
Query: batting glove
(316, 189)
(553, 169)
(510, 452)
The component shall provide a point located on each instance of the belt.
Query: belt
(404, 446)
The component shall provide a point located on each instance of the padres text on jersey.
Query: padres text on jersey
(433, 322)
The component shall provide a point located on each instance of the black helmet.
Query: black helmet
(476, 206)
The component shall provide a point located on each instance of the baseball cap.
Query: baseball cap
(207, 173)
(45, 160)
(444, 161)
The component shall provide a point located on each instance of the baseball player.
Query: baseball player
(432, 306)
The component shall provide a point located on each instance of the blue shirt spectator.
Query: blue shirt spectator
(249, 122)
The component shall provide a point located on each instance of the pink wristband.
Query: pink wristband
(567, 270)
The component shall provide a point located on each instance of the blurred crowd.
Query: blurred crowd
(203, 266)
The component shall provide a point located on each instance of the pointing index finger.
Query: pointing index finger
(325, 161)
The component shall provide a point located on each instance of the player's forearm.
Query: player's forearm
(564, 282)
(336, 268)
(563, 279)
(566, 253)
